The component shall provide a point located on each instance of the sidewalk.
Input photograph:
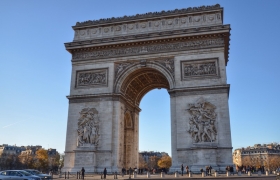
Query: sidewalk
(169, 177)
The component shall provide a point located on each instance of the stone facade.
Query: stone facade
(267, 155)
(116, 61)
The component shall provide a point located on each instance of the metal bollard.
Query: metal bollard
(101, 176)
(176, 174)
(162, 174)
(148, 175)
(259, 173)
(202, 174)
(134, 175)
(68, 175)
(65, 176)
(228, 173)
(249, 173)
(266, 173)
(78, 175)
(239, 173)
(216, 174)
(190, 174)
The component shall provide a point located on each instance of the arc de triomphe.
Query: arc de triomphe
(116, 61)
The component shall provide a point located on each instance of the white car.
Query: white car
(17, 175)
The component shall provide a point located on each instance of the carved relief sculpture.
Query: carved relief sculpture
(200, 68)
(93, 77)
(202, 121)
(88, 128)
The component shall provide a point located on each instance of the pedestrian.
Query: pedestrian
(123, 171)
(187, 169)
(182, 169)
(210, 170)
(130, 171)
(83, 172)
(105, 173)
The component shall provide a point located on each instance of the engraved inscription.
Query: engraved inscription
(91, 78)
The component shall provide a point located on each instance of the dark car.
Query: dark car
(38, 173)
(17, 175)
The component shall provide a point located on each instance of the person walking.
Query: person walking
(104, 173)
(187, 170)
(182, 169)
(83, 172)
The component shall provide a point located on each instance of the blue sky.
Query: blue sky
(35, 70)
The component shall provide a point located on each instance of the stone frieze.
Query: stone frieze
(201, 68)
(148, 49)
(91, 78)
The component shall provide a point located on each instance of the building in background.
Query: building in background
(148, 154)
(266, 155)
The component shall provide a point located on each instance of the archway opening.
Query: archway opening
(153, 84)
(154, 126)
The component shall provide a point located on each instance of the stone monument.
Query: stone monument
(116, 61)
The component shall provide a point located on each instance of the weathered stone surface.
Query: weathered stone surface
(116, 62)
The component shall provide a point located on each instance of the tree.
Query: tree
(61, 161)
(42, 159)
(142, 164)
(165, 162)
(153, 162)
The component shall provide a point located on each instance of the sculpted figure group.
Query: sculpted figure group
(202, 121)
(88, 128)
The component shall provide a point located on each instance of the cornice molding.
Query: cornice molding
(148, 15)
(200, 90)
(147, 36)
(151, 47)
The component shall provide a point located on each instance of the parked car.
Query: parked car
(17, 175)
(38, 173)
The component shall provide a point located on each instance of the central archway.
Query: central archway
(133, 84)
